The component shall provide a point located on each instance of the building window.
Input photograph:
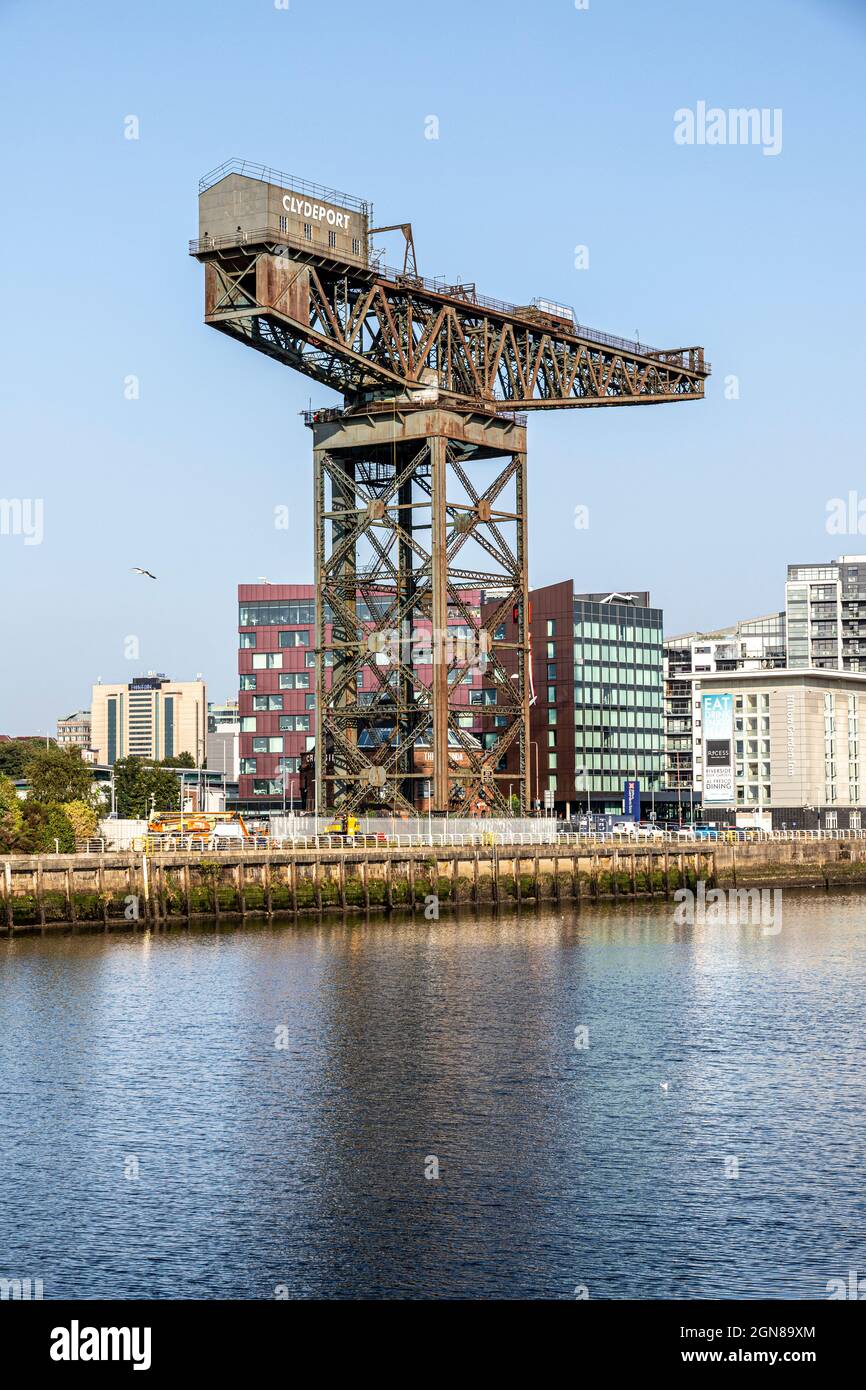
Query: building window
(267, 786)
(248, 766)
(308, 231)
(248, 639)
(269, 702)
(276, 613)
(551, 627)
(248, 682)
(332, 238)
(268, 745)
(356, 246)
(267, 661)
(295, 723)
(168, 720)
(295, 680)
(248, 724)
(309, 702)
(284, 224)
(294, 639)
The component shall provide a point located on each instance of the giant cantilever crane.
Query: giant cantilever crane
(433, 378)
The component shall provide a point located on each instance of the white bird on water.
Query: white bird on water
(664, 1085)
(137, 570)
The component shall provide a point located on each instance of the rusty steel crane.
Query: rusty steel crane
(419, 479)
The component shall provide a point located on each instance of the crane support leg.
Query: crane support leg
(422, 620)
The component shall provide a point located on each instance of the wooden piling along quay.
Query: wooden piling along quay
(128, 890)
(160, 889)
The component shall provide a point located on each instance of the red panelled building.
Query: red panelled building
(277, 688)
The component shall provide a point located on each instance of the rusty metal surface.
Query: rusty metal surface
(407, 521)
(359, 332)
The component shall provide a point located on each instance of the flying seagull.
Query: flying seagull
(137, 570)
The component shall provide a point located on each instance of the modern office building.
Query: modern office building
(597, 716)
(755, 644)
(277, 689)
(826, 614)
(74, 731)
(784, 748)
(150, 717)
(277, 695)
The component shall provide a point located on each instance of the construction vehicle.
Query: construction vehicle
(214, 829)
(349, 826)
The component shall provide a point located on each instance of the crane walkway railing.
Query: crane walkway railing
(466, 295)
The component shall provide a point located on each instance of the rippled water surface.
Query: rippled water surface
(304, 1165)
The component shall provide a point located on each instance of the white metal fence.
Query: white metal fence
(306, 833)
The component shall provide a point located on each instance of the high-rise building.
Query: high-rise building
(277, 695)
(826, 614)
(150, 717)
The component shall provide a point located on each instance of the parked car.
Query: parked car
(706, 832)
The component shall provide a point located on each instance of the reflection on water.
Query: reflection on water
(156, 1141)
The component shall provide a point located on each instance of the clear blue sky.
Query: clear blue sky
(556, 129)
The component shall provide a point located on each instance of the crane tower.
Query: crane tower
(419, 479)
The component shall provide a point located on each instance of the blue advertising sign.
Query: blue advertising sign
(631, 799)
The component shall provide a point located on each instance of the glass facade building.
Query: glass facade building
(618, 692)
(597, 719)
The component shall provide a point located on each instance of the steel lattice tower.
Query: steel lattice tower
(419, 480)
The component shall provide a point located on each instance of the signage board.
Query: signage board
(717, 722)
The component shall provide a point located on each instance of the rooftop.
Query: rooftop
(263, 172)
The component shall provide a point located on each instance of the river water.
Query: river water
(244, 1113)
